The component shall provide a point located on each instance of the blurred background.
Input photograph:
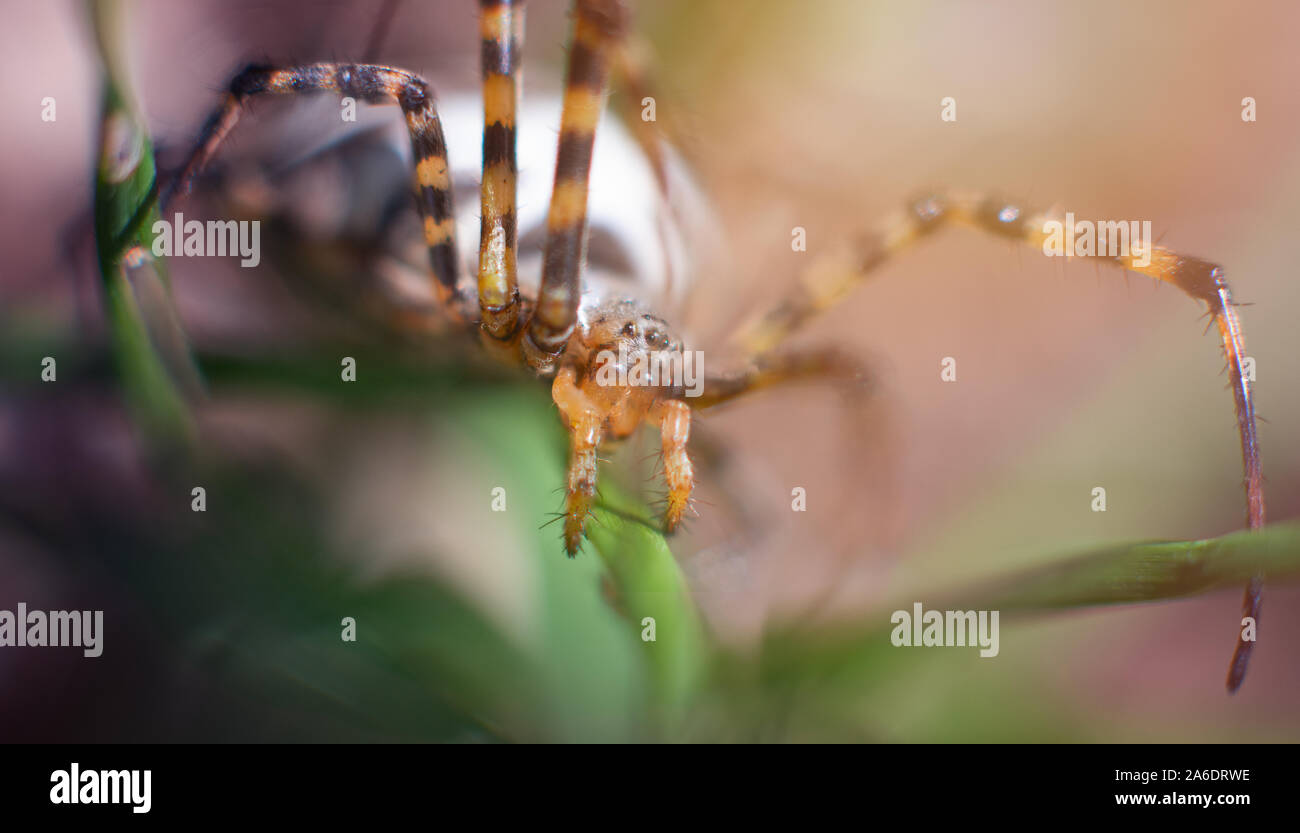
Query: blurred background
(375, 504)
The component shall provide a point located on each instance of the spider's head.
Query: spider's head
(628, 324)
(631, 355)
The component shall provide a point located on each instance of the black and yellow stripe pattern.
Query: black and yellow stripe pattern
(501, 31)
(597, 28)
(375, 85)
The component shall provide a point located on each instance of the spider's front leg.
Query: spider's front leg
(674, 419)
(585, 422)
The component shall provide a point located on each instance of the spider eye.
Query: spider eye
(655, 337)
(629, 329)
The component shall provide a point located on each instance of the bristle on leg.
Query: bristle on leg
(675, 430)
(584, 422)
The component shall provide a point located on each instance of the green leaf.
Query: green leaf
(1150, 571)
(1123, 573)
(648, 588)
(125, 211)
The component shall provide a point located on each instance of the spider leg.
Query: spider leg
(597, 26)
(501, 27)
(1200, 279)
(674, 418)
(585, 424)
(785, 366)
(375, 85)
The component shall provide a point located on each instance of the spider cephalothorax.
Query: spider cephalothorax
(591, 345)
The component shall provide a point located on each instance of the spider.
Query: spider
(569, 336)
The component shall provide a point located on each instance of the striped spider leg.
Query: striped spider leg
(598, 26)
(1200, 279)
(373, 84)
(501, 27)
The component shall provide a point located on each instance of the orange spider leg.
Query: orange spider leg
(584, 420)
(674, 418)
(1202, 280)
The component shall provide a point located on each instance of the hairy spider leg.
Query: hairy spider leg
(776, 367)
(585, 422)
(372, 84)
(674, 419)
(1201, 279)
(597, 26)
